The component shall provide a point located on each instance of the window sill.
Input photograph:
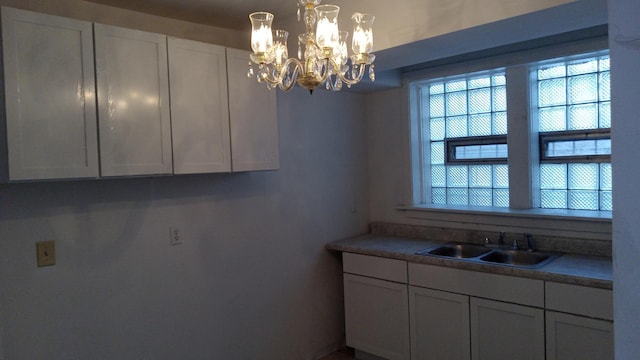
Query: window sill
(550, 222)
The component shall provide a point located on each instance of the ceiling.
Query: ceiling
(231, 14)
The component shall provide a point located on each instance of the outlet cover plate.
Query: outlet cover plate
(46, 253)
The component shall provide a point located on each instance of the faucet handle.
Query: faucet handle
(529, 240)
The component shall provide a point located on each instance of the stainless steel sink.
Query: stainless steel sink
(459, 250)
(518, 258)
(488, 255)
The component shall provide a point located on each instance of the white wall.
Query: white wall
(404, 22)
(251, 280)
(624, 42)
(387, 117)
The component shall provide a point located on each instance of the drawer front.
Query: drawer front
(492, 286)
(580, 300)
(376, 267)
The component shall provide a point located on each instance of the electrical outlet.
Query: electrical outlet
(175, 237)
(46, 253)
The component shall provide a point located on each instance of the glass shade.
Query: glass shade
(327, 32)
(279, 49)
(362, 42)
(261, 36)
(341, 54)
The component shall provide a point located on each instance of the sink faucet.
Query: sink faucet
(528, 239)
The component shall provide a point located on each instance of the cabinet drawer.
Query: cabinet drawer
(580, 300)
(373, 266)
(492, 286)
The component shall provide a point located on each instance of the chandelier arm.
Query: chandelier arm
(328, 65)
(331, 85)
(361, 70)
(267, 76)
(297, 68)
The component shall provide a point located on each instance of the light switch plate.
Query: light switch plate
(46, 253)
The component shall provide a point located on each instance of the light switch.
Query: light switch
(46, 253)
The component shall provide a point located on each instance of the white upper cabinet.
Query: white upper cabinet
(133, 102)
(253, 117)
(87, 100)
(199, 107)
(49, 97)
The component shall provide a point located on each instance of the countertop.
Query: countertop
(586, 270)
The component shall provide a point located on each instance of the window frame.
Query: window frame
(451, 143)
(522, 125)
(572, 135)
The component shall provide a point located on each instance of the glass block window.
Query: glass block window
(473, 106)
(573, 97)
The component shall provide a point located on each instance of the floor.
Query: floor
(342, 354)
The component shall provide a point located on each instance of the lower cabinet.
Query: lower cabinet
(579, 322)
(376, 303)
(400, 310)
(578, 337)
(376, 316)
(439, 325)
(506, 331)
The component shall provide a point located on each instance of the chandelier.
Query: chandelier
(322, 50)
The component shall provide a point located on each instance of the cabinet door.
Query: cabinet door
(199, 107)
(133, 102)
(575, 337)
(253, 117)
(439, 325)
(49, 91)
(506, 331)
(377, 316)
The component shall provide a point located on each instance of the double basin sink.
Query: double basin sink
(484, 254)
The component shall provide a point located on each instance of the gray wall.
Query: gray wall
(624, 42)
(250, 281)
